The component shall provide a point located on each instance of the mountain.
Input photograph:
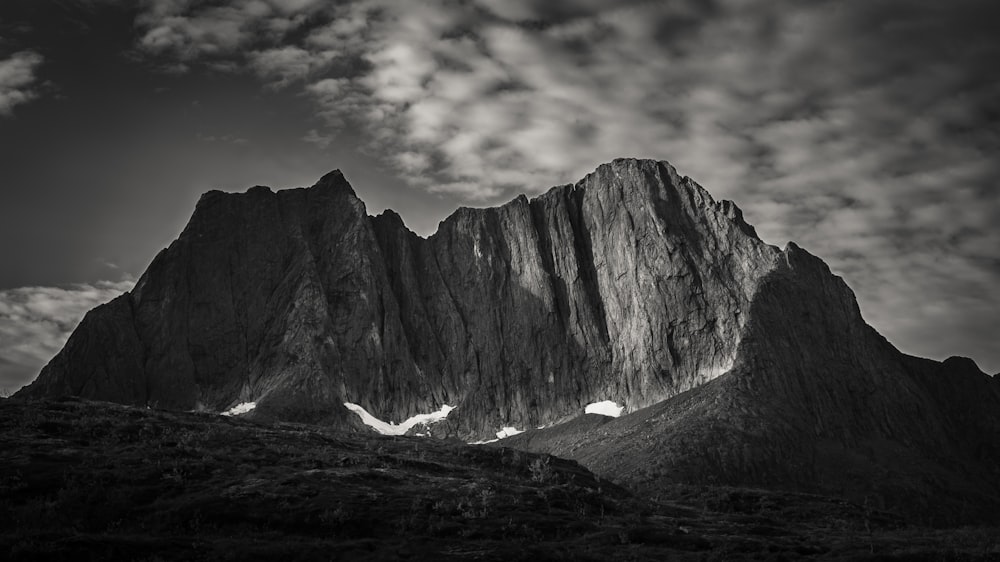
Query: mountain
(736, 361)
(632, 285)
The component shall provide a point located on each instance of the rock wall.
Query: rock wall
(632, 285)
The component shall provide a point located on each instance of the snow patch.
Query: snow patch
(240, 409)
(392, 428)
(605, 408)
(508, 432)
(504, 433)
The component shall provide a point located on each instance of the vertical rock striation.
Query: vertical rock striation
(816, 400)
(632, 285)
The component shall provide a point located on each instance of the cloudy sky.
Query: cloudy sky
(866, 131)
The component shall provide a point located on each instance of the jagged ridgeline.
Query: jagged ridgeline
(632, 285)
(735, 361)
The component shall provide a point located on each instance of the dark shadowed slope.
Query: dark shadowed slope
(95, 481)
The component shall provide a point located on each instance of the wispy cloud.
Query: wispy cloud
(867, 132)
(35, 323)
(17, 80)
(284, 65)
(316, 138)
(190, 30)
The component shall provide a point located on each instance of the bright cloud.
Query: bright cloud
(17, 80)
(35, 323)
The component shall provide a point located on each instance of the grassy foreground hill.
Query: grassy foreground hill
(87, 480)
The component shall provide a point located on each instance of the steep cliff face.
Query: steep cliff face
(632, 285)
(269, 297)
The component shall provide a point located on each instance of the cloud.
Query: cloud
(412, 162)
(17, 79)
(867, 132)
(499, 107)
(35, 323)
(318, 139)
(284, 65)
(343, 102)
(345, 31)
(187, 30)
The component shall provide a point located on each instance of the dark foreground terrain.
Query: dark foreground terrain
(85, 480)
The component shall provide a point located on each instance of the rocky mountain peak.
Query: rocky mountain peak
(631, 285)
(335, 181)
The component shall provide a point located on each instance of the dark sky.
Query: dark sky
(865, 131)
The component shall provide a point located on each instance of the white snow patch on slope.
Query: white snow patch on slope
(605, 408)
(240, 409)
(391, 428)
(502, 434)
(508, 432)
